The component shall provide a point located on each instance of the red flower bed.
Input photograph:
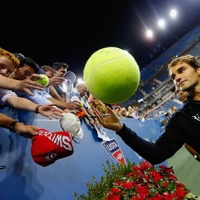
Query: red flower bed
(147, 181)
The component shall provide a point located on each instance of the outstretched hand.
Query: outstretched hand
(110, 121)
(50, 110)
(29, 83)
(26, 130)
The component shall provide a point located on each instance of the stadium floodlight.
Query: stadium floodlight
(173, 13)
(80, 80)
(149, 33)
(161, 23)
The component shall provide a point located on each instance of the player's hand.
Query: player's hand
(110, 121)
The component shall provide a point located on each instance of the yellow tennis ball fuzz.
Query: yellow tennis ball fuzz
(112, 75)
(82, 104)
(44, 80)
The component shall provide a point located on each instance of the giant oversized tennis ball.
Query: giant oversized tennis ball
(112, 75)
(44, 80)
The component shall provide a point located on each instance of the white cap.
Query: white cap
(79, 136)
(71, 123)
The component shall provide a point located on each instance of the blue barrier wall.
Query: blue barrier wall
(25, 180)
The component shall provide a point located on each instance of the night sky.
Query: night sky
(70, 31)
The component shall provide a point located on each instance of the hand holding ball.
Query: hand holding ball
(44, 80)
(112, 75)
(82, 104)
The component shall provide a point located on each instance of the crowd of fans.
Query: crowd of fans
(20, 91)
(60, 95)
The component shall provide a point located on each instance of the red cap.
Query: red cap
(48, 147)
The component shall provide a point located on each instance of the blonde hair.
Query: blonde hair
(10, 56)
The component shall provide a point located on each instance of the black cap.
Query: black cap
(20, 56)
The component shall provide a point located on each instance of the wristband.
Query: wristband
(12, 126)
(37, 109)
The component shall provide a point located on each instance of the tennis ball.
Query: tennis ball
(44, 80)
(112, 75)
(82, 104)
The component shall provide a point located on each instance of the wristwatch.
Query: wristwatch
(12, 126)
(196, 156)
